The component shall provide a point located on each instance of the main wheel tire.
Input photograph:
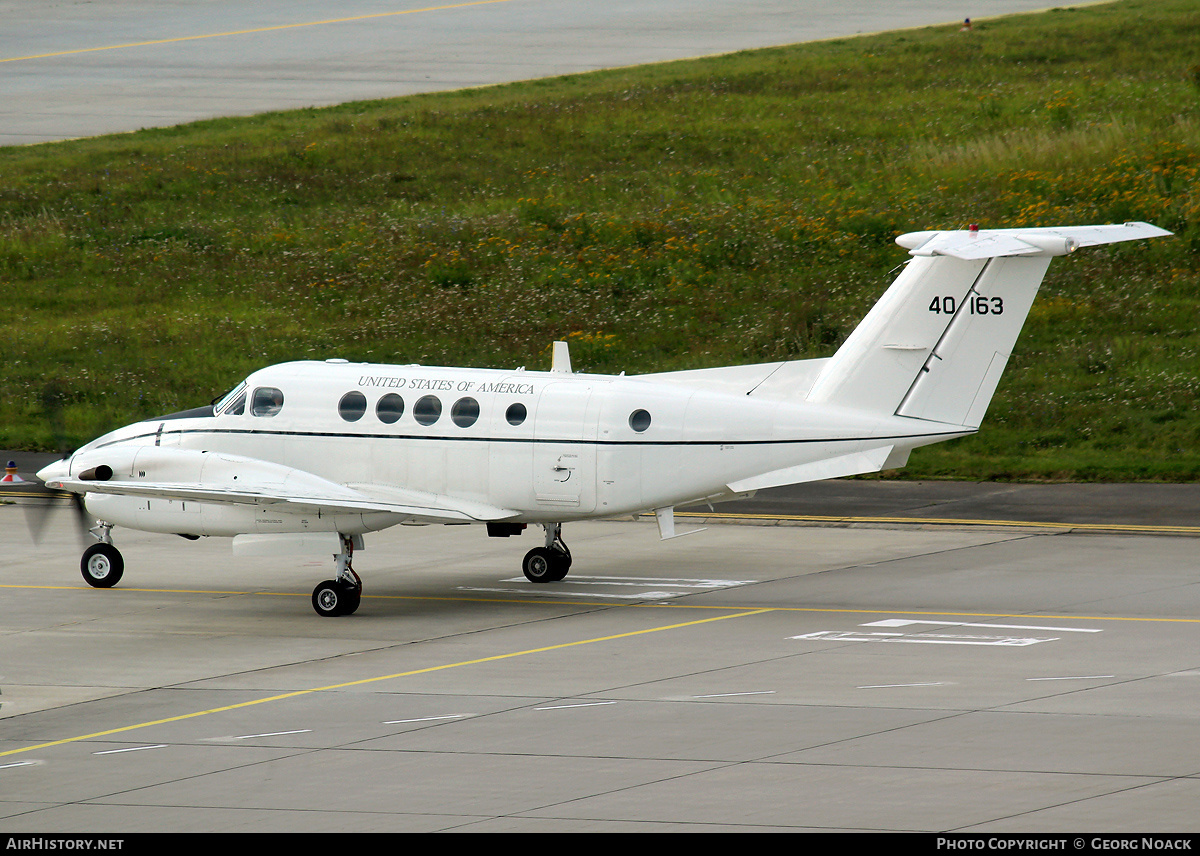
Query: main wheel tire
(329, 599)
(560, 564)
(545, 565)
(351, 596)
(538, 565)
(102, 565)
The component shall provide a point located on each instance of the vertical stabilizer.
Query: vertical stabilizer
(935, 344)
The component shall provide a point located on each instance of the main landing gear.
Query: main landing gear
(340, 596)
(102, 564)
(548, 564)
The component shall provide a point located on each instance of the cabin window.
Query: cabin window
(390, 408)
(267, 401)
(516, 413)
(352, 406)
(639, 420)
(427, 410)
(465, 412)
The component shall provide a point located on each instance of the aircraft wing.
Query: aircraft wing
(179, 474)
(425, 508)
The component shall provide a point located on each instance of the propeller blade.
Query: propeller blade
(39, 510)
(83, 520)
(37, 513)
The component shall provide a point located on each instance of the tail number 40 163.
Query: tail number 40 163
(978, 305)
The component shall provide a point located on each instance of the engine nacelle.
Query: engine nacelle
(189, 517)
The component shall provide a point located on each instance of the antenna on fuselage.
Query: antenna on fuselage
(560, 358)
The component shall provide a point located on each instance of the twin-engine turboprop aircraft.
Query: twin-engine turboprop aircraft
(332, 450)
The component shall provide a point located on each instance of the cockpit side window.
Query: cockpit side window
(238, 407)
(267, 401)
(225, 404)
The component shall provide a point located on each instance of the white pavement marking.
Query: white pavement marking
(906, 622)
(660, 588)
(925, 638)
(728, 695)
(646, 595)
(672, 582)
(130, 749)
(1072, 678)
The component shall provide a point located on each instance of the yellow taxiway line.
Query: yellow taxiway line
(950, 521)
(125, 728)
(257, 30)
(652, 604)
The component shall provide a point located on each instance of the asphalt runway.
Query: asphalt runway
(742, 678)
(77, 68)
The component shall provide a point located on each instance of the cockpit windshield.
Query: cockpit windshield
(228, 398)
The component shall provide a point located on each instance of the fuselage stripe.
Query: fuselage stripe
(346, 435)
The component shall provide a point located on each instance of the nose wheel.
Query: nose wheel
(102, 565)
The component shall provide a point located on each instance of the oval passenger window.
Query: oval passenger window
(464, 412)
(352, 406)
(390, 408)
(427, 410)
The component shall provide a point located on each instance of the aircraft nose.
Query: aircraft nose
(57, 470)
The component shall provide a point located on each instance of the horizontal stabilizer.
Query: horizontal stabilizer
(995, 243)
(832, 468)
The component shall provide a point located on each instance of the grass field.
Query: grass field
(725, 210)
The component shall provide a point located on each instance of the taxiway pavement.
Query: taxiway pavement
(76, 68)
(742, 678)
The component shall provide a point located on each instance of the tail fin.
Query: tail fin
(935, 344)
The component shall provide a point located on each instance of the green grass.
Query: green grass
(716, 211)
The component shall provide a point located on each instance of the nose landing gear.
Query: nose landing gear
(102, 564)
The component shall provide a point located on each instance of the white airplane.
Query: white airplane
(327, 451)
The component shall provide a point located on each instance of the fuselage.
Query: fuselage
(547, 445)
